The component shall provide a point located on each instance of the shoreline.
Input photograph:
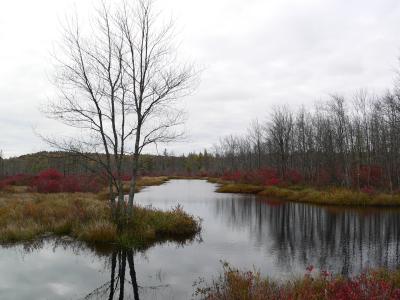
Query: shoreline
(333, 196)
(27, 216)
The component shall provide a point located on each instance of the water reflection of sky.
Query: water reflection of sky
(279, 239)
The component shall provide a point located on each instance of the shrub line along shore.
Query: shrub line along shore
(87, 217)
(236, 284)
(323, 196)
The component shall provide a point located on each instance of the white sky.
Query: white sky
(255, 54)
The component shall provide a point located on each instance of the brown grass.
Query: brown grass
(332, 196)
(240, 188)
(27, 216)
(325, 196)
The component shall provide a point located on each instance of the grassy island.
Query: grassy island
(323, 195)
(86, 217)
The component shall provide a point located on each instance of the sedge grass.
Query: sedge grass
(26, 216)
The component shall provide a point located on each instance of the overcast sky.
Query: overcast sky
(255, 54)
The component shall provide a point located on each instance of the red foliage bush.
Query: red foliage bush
(256, 177)
(294, 177)
(48, 186)
(323, 177)
(19, 179)
(236, 284)
(52, 181)
(368, 176)
(2, 185)
(50, 174)
(71, 184)
(368, 190)
(273, 181)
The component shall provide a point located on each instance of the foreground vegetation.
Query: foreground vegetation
(28, 215)
(235, 284)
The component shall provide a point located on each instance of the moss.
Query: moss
(84, 217)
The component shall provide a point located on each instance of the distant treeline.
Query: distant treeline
(351, 143)
(72, 164)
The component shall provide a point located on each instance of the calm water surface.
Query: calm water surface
(279, 239)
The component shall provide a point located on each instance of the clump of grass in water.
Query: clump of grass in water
(83, 216)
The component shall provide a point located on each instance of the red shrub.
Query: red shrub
(48, 186)
(368, 190)
(92, 185)
(2, 185)
(19, 179)
(50, 174)
(323, 177)
(294, 177)
(273, 181)
(370, 176)
(71, 184)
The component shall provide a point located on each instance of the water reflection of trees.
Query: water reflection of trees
(122, 262)
(342, 240)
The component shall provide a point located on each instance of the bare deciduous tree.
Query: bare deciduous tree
(118, 81)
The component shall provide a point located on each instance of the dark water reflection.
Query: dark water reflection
(280, 239)
(342, 240)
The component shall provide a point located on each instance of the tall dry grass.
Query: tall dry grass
(25, 216)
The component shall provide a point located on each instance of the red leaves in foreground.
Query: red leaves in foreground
(235, 284)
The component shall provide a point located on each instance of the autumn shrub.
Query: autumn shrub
(50, 174)
(294, 177)
(2, 185)
(368, 175)
(235, 284)
(263, 176)
(51, 181)
(18, 180)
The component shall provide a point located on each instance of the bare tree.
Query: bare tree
(1, 164)
(118, 81)
(255, 133)
(155, 79)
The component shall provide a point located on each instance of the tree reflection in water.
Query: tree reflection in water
(342, 240)
(115, 287)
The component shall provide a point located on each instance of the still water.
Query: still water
(280, 239)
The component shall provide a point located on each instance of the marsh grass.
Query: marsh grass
(240, 188)
(234, 284)
(299, 193)
(332, 196)
(26, 216)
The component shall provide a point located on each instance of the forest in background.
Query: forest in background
(352, 143)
